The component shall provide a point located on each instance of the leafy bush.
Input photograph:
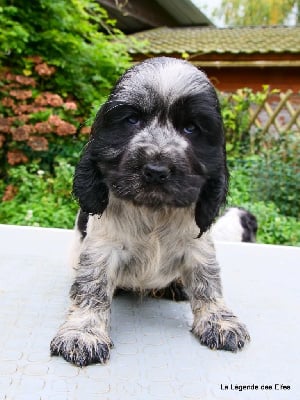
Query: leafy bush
(35, 197)
(236, 118)
(258, 178)
(246, 191)
(56, 68)
(65, 33)
(264, 167)
(36, 125)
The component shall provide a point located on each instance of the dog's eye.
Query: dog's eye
(190, 128)
(133, 119)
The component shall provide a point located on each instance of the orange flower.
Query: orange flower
(41, 99)
(21, 133)
(10, 77)
(70, 105)
(22, 108)
(86, 130)
(21, 94)
(25, 80)
(2, 140)
(55, 120)
(38, 143)
(48, 98)
(35, 59)
(7, 102)
(9, 193)
(5, 124)
(65, 128)
(22, 118)
(55, 100)
(44, 69)
(15, 157)
(43, 127)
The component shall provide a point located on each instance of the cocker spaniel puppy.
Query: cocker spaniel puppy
(235, 225)
(150, 183)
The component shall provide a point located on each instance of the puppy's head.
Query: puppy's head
(158, 141)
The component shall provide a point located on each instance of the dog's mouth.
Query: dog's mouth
(157, 189)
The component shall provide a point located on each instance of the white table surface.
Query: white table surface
(155, 356)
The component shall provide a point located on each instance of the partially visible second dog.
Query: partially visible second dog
(235, 225)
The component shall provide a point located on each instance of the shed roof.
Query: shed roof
(206, 40)
(135, 15)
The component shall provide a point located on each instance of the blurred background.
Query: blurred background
(59, 60)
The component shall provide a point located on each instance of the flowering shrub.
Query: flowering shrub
(58, 61)
(69, 43)
(32, 120)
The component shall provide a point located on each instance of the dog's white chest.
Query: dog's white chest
(151, 265)
(145, 249)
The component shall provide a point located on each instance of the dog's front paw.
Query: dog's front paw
(222, 331)
(80, 348)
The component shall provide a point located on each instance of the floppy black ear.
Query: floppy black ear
(212, 197)
(88, 185)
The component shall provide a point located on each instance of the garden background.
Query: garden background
(56, 69)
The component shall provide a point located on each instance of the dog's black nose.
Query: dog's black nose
(155, 173)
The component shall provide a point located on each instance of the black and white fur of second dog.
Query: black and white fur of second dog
(236, 225)
(150, 183)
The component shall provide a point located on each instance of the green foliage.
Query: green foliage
(236, 118)
(247, 189)
(264, 167)
(36, 125)
(257, 178)
(58, 61)
(65, 33)
(42, 199)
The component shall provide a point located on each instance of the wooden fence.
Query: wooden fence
(277, 114)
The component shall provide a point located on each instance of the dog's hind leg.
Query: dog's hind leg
(84, 339)
(214, 324)
(175, 291)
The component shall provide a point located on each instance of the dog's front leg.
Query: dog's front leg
(214, 324)
(84, 339)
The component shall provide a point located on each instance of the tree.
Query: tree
(251, 12)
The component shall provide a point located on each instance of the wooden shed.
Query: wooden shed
(231, 57)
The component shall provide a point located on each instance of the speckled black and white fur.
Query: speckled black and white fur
(150, 183)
